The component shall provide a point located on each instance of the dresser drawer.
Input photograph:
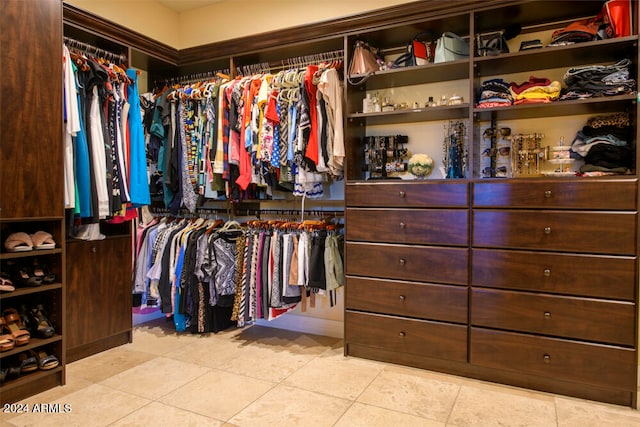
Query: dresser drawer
(612, 194)
(403, 262)
(421, 337)
(554, 358)
(591, 232)
(584, 275)
(568, 317)
(407, 194)
(422, 226)
(423, 300)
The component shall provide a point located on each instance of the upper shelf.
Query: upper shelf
(419, 74)
(556, 56)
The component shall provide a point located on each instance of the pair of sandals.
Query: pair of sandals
(23, 242)
(21, 326)
(29, 361)
(25, 275)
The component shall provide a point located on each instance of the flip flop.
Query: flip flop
(47, 361)
(18, 242)
(43, 240)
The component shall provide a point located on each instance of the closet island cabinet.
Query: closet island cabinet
(31, 186)
(529, 279)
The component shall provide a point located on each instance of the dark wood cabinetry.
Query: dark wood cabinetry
(539, 273)
(98, 295)
(31, 176)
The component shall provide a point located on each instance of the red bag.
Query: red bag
(617, 14)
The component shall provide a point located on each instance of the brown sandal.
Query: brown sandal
(14, 324)
(6, 340)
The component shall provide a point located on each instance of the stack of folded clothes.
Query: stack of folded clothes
(495, 93)
(605, 145)
(598, 80)
(535, 90)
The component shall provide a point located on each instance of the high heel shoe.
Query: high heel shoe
(40, 325)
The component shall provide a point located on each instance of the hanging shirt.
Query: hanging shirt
(138, 177)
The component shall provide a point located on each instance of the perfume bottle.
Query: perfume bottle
(376, 104)
(367, 104)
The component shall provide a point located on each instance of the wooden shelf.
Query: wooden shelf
(610, 50)
(27, 254)
(30, 290)
(33, 343)
(597, 105)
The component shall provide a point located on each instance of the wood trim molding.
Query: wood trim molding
(92, 23)
(334, 28)
(339, 27)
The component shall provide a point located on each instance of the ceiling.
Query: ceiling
(184, 5)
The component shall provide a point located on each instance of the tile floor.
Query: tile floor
(261, 376)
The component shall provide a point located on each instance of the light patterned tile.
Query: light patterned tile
(336, 376)
(265, 363)
(361, 415)
(289, 406)
(583, 413)
(93, 406)
(217, 394)
(412, 392)
(101, 366)
(159, 414)
(495, 406)
(211, 353)
(156, 377)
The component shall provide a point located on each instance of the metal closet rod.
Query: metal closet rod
(197, 77)
(295, 62)
(94, 50)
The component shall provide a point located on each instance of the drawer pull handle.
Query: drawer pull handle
(547, 315)
(403, 261)
(402, 334)
(547, 358)
(403, 225)
(403, 194)
(94, 249)
(547, 272)
(402, 298)
(547, 230)
(547, 194)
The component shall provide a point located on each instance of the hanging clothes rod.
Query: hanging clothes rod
(94, 50)
(198, 77)
(296, 62)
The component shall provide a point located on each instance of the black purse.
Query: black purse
(491, 44)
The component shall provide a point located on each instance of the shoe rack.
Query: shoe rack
(31, 194)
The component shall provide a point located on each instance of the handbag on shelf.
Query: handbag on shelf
(363, 63)
(451, 47)
(495, 43)
(617, 15)
(491, 44)
(418, 52)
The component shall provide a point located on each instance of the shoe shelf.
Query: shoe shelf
(31, 290)
(17, 387)
(33, 343)
(33, 253)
